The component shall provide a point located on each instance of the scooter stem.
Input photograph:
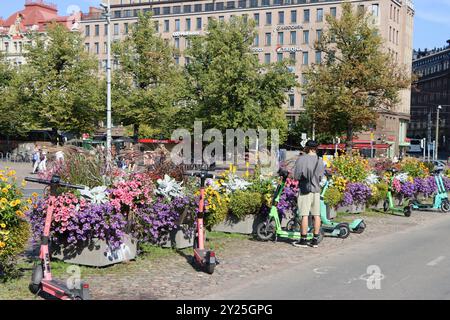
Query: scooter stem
(201, 244)
(44, 254)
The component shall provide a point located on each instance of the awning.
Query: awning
(166, 141)
(366, 145)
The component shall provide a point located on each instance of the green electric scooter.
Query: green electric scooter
(388, 204)
(271, 228)
(440, 199)
(337, 229)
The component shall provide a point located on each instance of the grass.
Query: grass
(17, 289)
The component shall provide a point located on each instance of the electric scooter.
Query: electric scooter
(337, 229)
(41, 278)
(388, 204)
(271, 228)
(205, 259)
(440, 199)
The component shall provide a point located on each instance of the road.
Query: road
(413, 264)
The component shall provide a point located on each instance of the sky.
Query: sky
(431, 23)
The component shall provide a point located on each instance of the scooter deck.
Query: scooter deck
(59, 288)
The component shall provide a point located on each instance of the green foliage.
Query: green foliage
(379, 193)
(356, 79)
(60, 82)
(352, 168)
(17, 242)
(149, 86)
(333, 197)
(229, 86)
(414, 167)
(243, 203)
(217, 215)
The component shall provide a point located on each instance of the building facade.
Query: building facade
(432, 68)
(35, 17)
(287, 29)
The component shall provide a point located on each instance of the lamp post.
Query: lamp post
(439, 107)
(107, 15)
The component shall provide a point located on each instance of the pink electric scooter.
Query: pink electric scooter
(41, 279)
(205, 259)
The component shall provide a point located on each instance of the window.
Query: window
(177, 59)
(306, 15)
(292, 57)
(176, 9)
(318, 34)
(117, 14)
(209, 7)
(188, 24)
(256, 40)
(291, 101)
(219, 6)
(187, 60)
(166, 25)
(303, 99)
(293, 37)
(177, 43)
(221, 18)
(268, 18)
(281, 17)
(177, 24)
(256, 17)
(280, 38)
(116, 29)
(96, 48)
(105, 47)
(127, 13)
(306, 36)
(253, 3)
(305, 58)
(375, 10)
(198, 7)
(156, 26)
(199, 24)
(280, 56)
(278, 2)
(265, 3)
(87, 31)
(126, 29)
(187, 43)
(166, 10)
(97, 30)
(230, 5)
(156, 11)
(242, 4)
(318, 57)
(319, 17)
(294, 16)
(268, 39)
(187, 8)
(267, 58)
(106, 30)
(333, 11)
(86, 47)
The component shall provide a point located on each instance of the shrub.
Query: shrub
(333, 197)
(379, 193)
(243, 203)
(352, 168)
(414, 168)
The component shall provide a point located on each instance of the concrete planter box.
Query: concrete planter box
(378, 206)
(233, 225)
(354, 208)
(178, 239)
(96, 253)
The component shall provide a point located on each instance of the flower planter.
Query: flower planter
(354, 208)
(96, 253)
(378, 206)
(331, 212)
(178, 239)
(233, 225)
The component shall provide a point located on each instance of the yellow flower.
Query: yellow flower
(29, 201)
(3, 200)
(11, 173)
(24, 183)
(13, 203)
(4, 179)
(34, 194)
(2, 225)
(19, 213)
(8, 186)
(2, 244)
(4, 190)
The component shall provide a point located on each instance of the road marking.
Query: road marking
(322, 270)
(435, 261)
(401, 280)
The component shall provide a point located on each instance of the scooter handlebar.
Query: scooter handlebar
(54, 182)
(200, 174)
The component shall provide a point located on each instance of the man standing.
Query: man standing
(309, 170)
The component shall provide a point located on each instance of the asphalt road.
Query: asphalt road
(410, 264)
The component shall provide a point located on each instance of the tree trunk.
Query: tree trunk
(349, 146)
(136, 131)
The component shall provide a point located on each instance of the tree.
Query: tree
(62, 81)
(229, 86)
(357, 78)
(149, 85)
(15, 118)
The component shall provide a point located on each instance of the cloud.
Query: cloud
(434, 11)
(434, 17)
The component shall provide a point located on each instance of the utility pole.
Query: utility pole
(437, 133)
(429, 133)
(107, 15)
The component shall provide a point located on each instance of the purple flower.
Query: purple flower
(356, 193)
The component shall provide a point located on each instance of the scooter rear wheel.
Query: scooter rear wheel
(209, 268)
(407, 211)
(385, 205)
(361, 227)
(266, 230)
(34, 288)
(344, 231)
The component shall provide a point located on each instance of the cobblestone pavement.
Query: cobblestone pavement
(241, 260)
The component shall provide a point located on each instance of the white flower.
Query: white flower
(169, 187)
(372, 179)
(96, 195)
(402, 177)
(235, 183)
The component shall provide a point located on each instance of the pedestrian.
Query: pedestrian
(309, 170)
(43, 161)
(35, 158)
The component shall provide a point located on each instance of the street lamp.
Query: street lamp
(107, 15)
(439, 107)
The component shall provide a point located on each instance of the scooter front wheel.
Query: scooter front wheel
(361, 227)
(34, 288)
(344, 231)
(209, 268)
(385, 205)
(445, 206)
(407, 211)
(266, 230)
